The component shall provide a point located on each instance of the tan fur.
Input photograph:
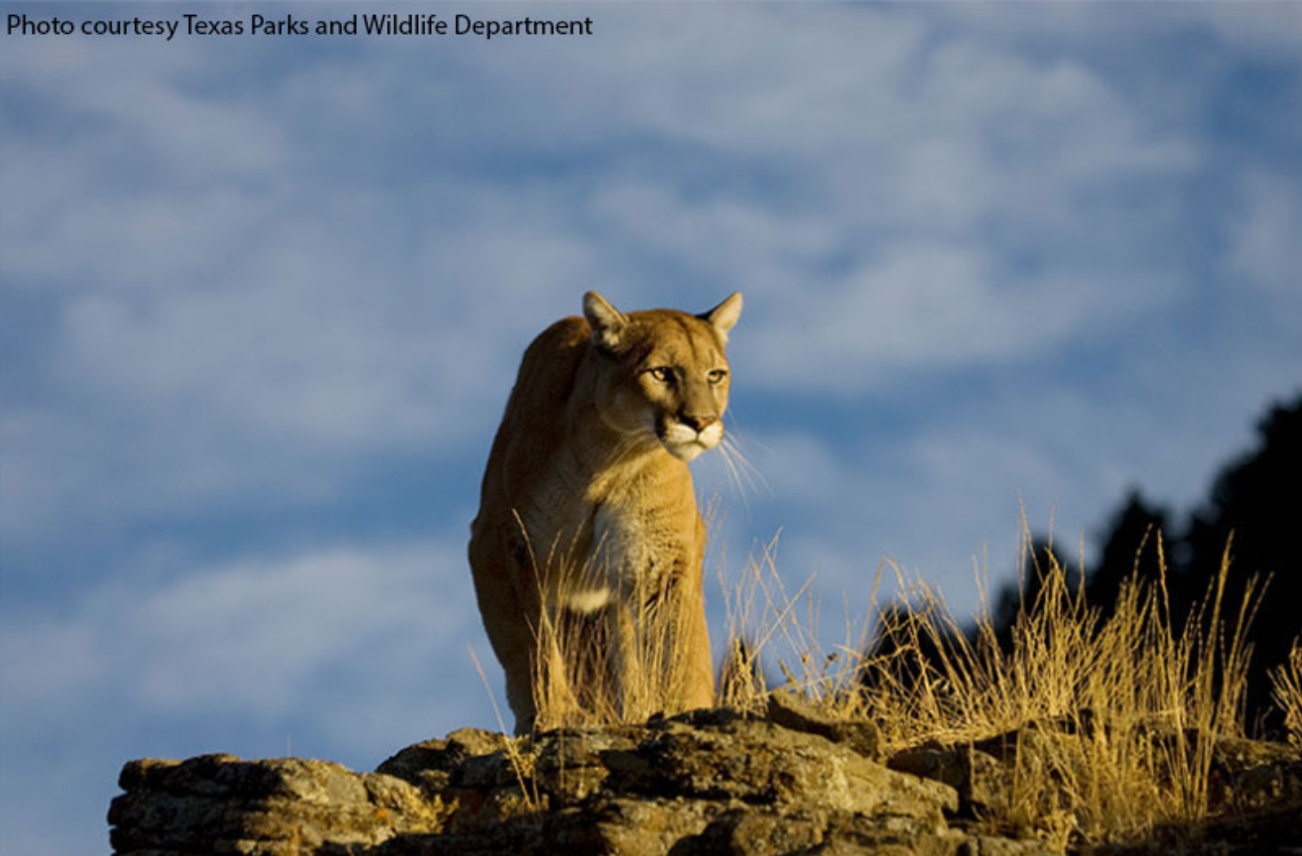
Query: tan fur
(587, 505)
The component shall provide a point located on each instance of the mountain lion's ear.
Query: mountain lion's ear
(607, 322)
(724, 316)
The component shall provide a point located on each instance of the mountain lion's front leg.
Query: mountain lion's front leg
(512, 614)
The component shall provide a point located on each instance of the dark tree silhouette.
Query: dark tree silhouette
(1130, 548)
(1257, 499)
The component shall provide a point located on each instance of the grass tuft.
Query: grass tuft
(1136, 703)
(1287, 690)
(613, 665)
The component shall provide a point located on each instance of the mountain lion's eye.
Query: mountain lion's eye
(717, 375)
(664, 374)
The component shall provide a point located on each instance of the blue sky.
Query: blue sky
(263, 300)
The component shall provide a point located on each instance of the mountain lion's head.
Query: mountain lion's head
(663, 372)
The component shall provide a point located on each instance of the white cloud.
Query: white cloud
(188, 130)
(928, 306)
(1264, 230)
(238, 288)
(1262, 29)
(930, 502)
(824, 82)
(256, 639)
(1257, 29)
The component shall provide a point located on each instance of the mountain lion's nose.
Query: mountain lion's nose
(698, 423)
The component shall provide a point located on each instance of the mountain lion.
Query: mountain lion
(587, 512)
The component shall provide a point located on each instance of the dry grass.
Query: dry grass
(1141, 699)
(614, 665)
(1287, 689)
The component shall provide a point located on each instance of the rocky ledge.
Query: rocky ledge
(709, 782)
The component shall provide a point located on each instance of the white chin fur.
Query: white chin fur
(682, 442)
(685, 451)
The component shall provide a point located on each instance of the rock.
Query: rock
(759, 763)
(217, 803)
(773, 833)
(790, 710)
(705, 782)
(1255, 776)
(982, 782)
(989, 845)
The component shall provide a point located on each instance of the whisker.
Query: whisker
(726, 453)
(749, 470)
